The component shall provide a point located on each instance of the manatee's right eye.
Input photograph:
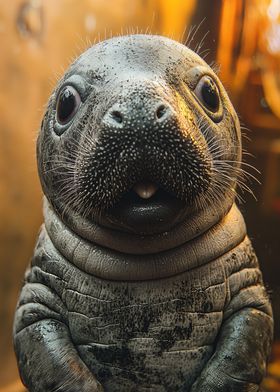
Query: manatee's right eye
(208, 94)
(67, 105)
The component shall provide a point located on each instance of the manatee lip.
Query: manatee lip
(146, 208)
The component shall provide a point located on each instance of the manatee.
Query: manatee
(143, 277)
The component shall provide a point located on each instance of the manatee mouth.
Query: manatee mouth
(146, 208)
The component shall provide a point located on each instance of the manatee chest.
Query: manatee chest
(153, 334)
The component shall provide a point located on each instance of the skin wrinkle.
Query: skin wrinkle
(90, 296)
(252, 299)
(47, 273)
(187, 256)
(59, 307)
(247, 275)
(143, 304)
(39, 309)
(232, 268)
(137, 306)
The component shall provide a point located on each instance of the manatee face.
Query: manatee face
(138, 134)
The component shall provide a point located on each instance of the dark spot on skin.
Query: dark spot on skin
(132, 376)
(207, 306)
(51, 385)
(104, 374)
(193, 355)
(137, 321)
(131, 363)
(119, 356)
(183, 332)
(166, 340)
(93, 75)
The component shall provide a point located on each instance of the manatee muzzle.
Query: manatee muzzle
(113, 181)
(148, 163)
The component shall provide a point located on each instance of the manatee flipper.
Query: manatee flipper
(239, 361)
(47, 357)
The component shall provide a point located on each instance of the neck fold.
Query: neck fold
(115, 265)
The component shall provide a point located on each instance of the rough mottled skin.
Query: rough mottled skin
(133, 295)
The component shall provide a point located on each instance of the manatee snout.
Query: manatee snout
(147, 165)
(147, 109)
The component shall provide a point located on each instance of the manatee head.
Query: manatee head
(138, 136)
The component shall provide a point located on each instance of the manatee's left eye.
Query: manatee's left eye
(67, 105)
(208, 94)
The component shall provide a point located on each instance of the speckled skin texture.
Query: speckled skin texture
(131, 295)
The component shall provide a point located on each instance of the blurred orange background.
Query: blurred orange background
(39, 39)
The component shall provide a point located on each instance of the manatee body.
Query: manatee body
(143, 277)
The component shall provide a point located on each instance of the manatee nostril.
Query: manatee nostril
(117, 116)
(161, 111)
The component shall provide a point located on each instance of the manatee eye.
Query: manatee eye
(67, 105)
(208, 94)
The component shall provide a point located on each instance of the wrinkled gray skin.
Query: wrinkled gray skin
(131, 294)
